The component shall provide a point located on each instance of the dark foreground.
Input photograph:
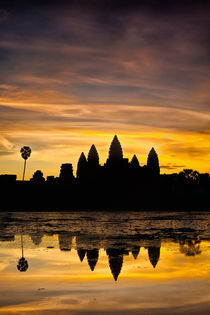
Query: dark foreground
(162, 193)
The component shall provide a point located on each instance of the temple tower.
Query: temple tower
(93, 157)
(115, 150)
(66, 173)
(134, 162)
(81, 166)
(153, 162)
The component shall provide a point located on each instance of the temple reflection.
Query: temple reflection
(154, 255)
(92, 258)
(135, 251)
(88, 236)
(65, 241)
(81, 253)
(189, 247)
(115, 261)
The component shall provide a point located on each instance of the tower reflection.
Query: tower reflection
(118, 235)
(92, 258)
(115, 261)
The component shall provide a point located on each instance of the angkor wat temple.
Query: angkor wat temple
(118, 184)
(117, 168)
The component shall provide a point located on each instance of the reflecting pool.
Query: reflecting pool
(105, 263)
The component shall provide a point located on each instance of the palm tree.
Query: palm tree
(189, 175)
(22, 262)
(25, 153)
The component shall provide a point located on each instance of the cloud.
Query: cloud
(106, 67)
(6, 146)
(3, 153)
(171, 166)
(191, 151)
(3, 15)
(86, 116)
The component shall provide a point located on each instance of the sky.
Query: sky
(74, 73)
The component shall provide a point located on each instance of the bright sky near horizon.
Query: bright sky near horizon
(74, 73)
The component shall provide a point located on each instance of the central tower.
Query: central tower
(115, 150)
(115, 161)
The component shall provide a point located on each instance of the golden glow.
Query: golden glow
(58, 132)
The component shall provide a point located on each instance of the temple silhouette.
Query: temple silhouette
(117, 168)
(118, 184)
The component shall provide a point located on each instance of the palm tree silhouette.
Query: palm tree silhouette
(25, 153)
(22, 265)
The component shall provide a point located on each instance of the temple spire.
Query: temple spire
(153, 162)
(82, 158)
(135, 162)
(115, 150)
(81, 165)
(93, 157)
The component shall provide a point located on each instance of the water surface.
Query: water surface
(105, 263)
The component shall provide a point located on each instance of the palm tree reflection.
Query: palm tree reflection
(22, 265)
(190, 247)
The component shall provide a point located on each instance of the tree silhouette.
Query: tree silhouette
(25, 153)
(189, 175)
(37, 177)
(36, 237)
(190, 247)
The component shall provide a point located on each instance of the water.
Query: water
(105, 263)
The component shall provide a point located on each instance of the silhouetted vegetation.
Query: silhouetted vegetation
(38, 177)
(25, 153)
